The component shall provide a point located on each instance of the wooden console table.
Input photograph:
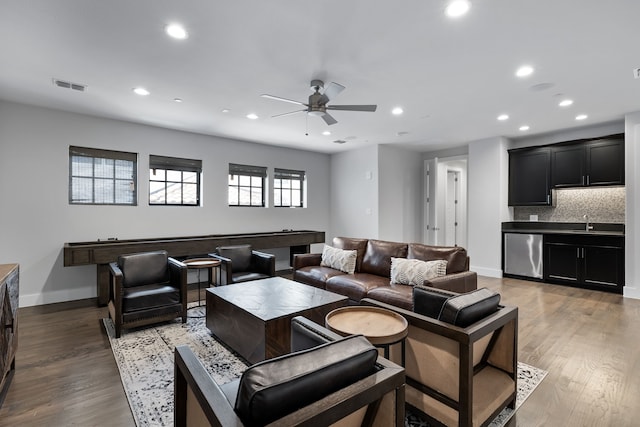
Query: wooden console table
(102, 252)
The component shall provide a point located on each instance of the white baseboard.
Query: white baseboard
(489, 272)
(29, 300)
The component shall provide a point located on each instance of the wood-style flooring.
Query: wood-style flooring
(587, 340)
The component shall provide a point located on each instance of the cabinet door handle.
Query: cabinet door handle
(588, 180)
(583, 180)
(578, 253)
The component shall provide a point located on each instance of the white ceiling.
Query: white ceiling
(452, 77)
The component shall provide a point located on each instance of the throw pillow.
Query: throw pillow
(339, 259)
(415, 272)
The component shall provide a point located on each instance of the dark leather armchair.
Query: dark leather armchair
(147, 288)
(329, 379)
(461, 355)
(240, 263)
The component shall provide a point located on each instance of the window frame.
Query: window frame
(238, 170)
(291, 176)
(175, 164)
(96, 154)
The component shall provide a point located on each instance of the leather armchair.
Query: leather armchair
(240, 263)
(329, 380)
(146, 288)
(461, 355)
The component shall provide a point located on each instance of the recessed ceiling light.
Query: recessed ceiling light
(397, 111)
(176, 31)
(326, 133)
(565, 102)
(503, 117)
(141, 91)
(457, 8)
(524, 128)
(226, 110)
(178, 100)
(252, 116)
(524, 71)
(581, 116)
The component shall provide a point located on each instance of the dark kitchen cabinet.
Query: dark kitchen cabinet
(529, 177)
(593, 262)
(588, 163)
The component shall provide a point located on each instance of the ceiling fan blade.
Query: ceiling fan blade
(290, 113)
(278, 98)
(332, 90)
(328, 119)
(370, 108)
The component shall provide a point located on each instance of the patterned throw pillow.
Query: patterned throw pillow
(415, 272)
(339, 259)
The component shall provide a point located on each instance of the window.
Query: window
(174, 181)
(246, 185)
(102, 177)
(288, 188)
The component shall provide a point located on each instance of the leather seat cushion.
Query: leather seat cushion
(394, 294)
(245, 276)
(455, 256)
(316, 275)
(466, 309)
(355, 286)
(144, 268)
(239, 255)
(274, 388)
(149, 296)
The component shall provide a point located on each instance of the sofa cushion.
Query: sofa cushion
(355, 286)
(394, 294)
(239, 255)
(414, 271)
(145, 297)
(339, 259)
(315, 275)
(377, 257)
(350, 243)
(456, 256)
(147, 268)
(274, 388)
(466, 309)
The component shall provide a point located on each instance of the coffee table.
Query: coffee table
(254, 318)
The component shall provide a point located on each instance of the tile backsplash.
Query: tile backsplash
(602, 204)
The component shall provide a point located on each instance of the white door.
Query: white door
(430, 212)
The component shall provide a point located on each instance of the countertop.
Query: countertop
(571, 228)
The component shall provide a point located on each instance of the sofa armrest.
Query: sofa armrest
(306, 260)
(264, 263)
(458, 282)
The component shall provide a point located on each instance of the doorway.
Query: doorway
(445, 201)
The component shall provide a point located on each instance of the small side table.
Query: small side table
(381, 327)
(201, 263)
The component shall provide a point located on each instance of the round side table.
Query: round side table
(381, 327)
(201, 263)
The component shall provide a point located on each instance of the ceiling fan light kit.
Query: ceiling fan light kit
(317, 104)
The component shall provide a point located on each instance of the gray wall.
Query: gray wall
(36, 218)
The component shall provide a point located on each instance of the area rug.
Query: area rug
(145, 360)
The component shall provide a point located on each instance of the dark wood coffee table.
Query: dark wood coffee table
(254, 318)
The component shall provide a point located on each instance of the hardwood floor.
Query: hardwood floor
(587, 340)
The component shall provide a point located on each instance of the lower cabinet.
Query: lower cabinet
(593, 262)
(8, 325)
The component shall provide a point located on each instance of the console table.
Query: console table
(8, 325)
(102, 252)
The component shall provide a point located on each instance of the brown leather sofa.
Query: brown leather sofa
(373, 270)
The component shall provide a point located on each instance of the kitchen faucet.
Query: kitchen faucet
(587, 227)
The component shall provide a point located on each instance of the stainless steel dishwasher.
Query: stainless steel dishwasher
(523, 255)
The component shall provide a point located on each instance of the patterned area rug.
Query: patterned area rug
(145, 360)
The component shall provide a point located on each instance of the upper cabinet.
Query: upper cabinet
(529, 177)
(591, 163)
(534, 171)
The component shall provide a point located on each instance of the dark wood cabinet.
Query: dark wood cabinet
(529, 177)
(588, 163)
(593, 262)
(8, 325)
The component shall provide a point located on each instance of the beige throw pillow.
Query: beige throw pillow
(415, 272)
(339, 259)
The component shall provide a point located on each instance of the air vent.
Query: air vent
(339, 141)
(69, 85)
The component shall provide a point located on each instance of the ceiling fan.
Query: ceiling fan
(317, 105)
